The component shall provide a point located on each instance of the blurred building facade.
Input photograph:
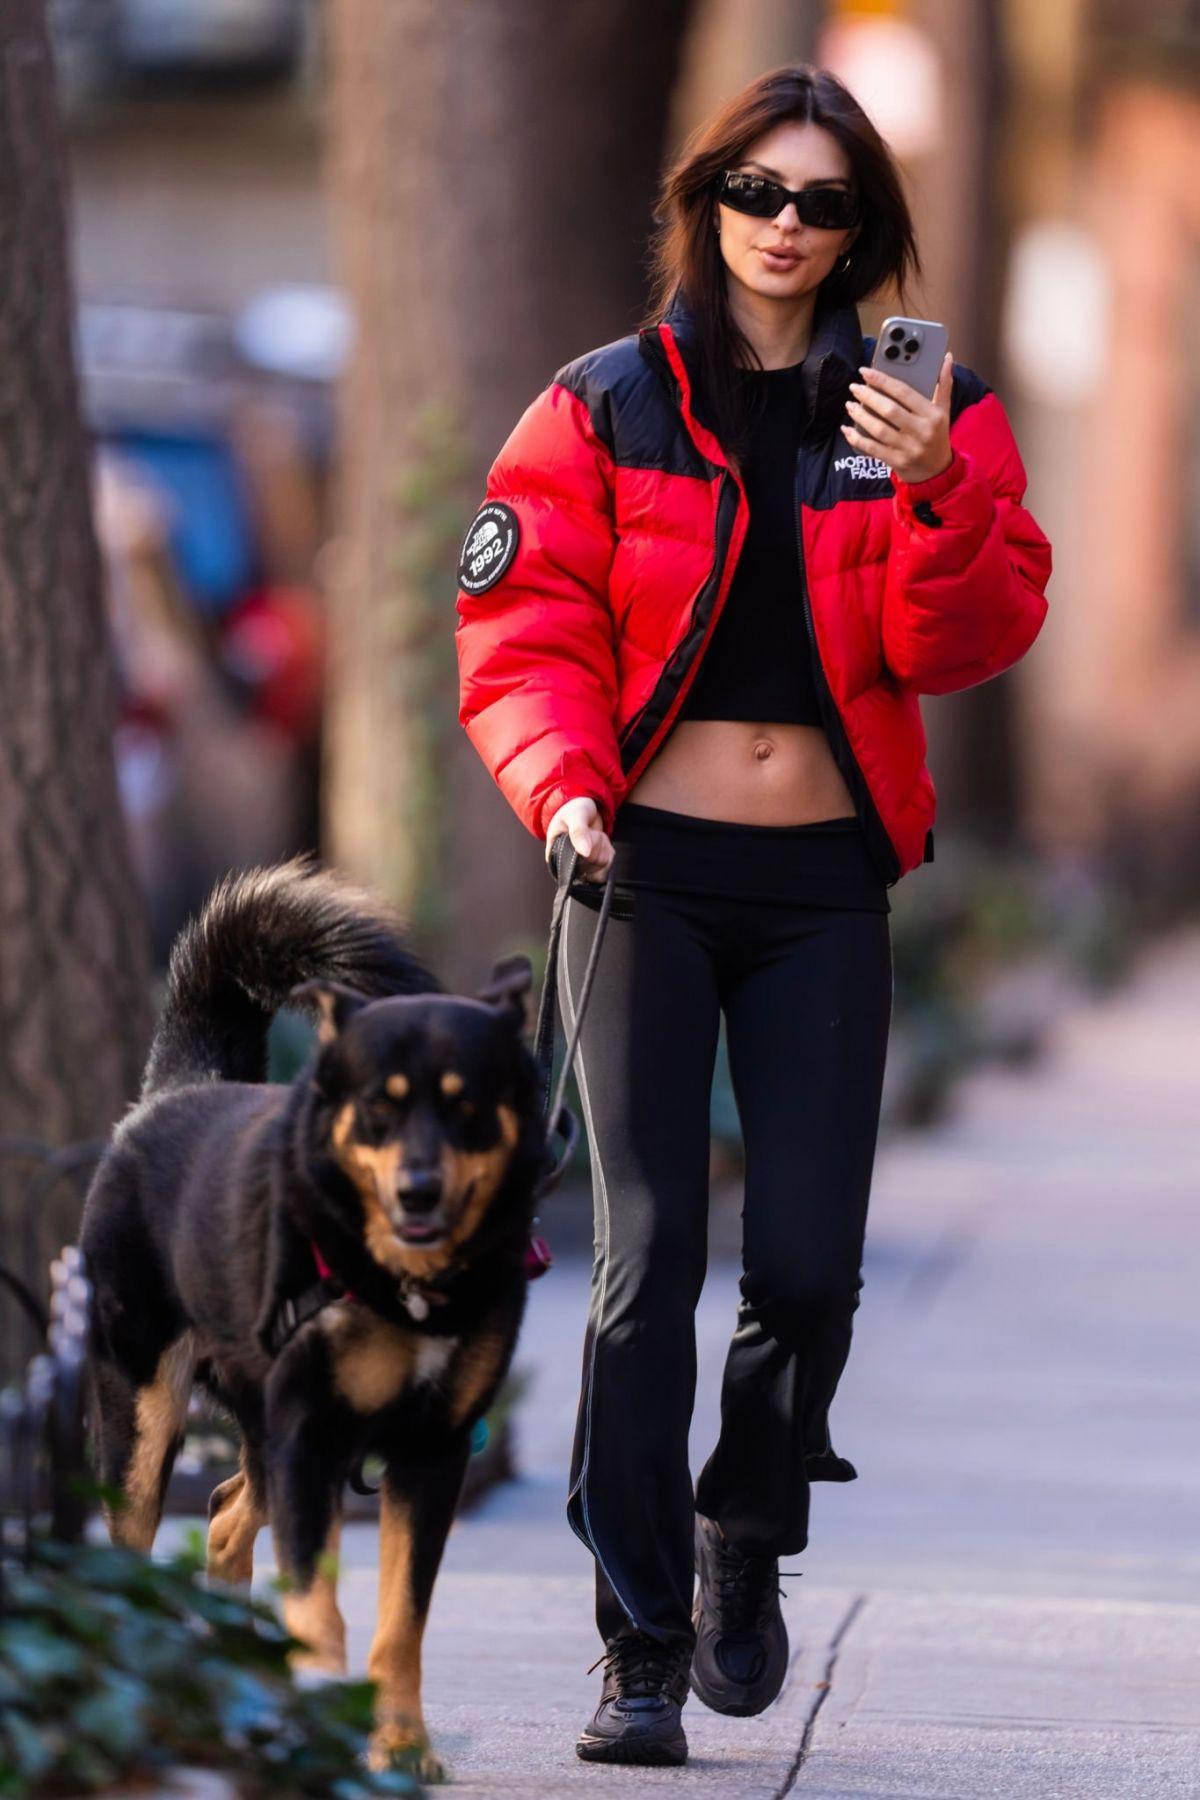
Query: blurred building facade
(1104, 347)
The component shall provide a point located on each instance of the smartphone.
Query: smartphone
(912, 351)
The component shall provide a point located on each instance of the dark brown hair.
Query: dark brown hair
(685, 255)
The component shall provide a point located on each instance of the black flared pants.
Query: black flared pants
(806, 992)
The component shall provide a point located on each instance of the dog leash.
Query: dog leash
(558, 1121)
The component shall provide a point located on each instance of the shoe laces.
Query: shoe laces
(745, 1587)
(639, 1666)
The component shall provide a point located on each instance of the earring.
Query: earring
(844, 264)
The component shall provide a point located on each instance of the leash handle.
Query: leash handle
(564, 859)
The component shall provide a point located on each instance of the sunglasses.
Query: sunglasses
(829, 208)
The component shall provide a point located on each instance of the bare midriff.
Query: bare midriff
(760, 774)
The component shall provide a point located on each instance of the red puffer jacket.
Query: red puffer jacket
(593, 574)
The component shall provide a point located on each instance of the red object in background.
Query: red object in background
(145, 713)
(272, 641)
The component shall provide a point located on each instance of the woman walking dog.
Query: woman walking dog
(718, 561)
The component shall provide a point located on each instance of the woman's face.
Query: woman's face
(796, 155)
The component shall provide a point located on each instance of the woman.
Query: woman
(718, 561)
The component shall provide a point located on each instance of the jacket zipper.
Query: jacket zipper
(879, 844)
(632, 742)
(684, 661)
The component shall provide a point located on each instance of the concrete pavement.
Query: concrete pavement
(1007, 1601)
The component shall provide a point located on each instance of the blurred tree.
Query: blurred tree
(979, 778)
(74, 962)
(493, 174)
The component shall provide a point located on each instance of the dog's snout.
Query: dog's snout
(421, 1190)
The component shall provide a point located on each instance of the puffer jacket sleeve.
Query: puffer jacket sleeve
(968, 565)
(536, 651)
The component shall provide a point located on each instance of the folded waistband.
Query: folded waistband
(638, 816)
(823, 862)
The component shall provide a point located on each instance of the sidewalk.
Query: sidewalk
(1007, 1602)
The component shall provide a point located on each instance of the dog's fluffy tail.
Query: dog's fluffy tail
(260, 934)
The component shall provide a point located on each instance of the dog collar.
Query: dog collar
(416, 1297)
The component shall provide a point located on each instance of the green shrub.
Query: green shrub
(113, 1666)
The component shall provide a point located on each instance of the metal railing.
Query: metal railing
(45, 1319)
(41, 1199)
(43, 1461)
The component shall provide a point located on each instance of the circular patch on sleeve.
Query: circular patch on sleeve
(489, 547)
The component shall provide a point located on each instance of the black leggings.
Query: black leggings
(807, 996)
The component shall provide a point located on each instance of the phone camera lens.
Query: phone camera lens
(891, 352)
(912, 346)
(896, 333)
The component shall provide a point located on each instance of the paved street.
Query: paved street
(1007, 1602)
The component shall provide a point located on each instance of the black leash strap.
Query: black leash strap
(291, 1314)
(559, 1122)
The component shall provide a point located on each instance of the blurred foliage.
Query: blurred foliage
(113, 1666)
(991, 906)
(991, 910)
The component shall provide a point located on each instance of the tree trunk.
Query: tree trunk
(966, 239)
(74, 968)
(493, 171)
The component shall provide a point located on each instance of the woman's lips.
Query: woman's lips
(780, 259)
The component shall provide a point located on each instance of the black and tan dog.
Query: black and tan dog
(340, 1261)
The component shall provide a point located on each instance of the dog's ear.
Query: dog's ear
(511, 980)
(333, 1005)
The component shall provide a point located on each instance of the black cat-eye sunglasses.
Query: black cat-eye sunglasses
(830, 208)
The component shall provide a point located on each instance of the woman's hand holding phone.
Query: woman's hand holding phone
(580, 819)
(895, 423)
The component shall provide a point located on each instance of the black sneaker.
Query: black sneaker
(741, 1654)
(638, 1718)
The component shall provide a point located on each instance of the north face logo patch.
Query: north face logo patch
(489, 547)
(863, 468)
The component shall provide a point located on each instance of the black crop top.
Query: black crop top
(758, 662)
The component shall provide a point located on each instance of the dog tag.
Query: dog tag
(416, 1305)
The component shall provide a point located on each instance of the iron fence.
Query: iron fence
(41, 1199)
(43, 1461)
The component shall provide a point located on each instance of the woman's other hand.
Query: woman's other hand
(580, 819)
(899, 426)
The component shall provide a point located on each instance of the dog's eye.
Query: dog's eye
(452, 1089)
